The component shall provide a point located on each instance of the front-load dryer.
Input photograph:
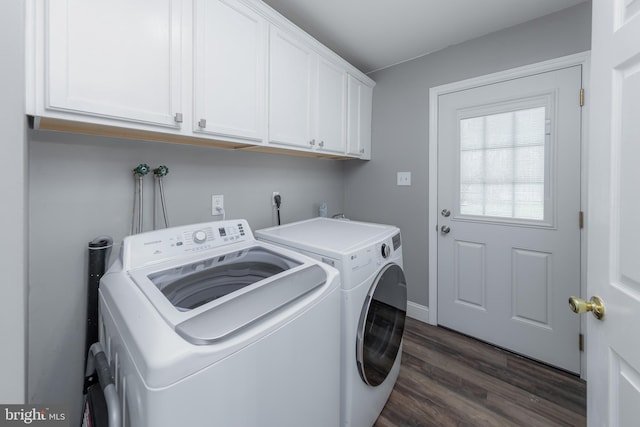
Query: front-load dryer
(374, 304)
(205, 326)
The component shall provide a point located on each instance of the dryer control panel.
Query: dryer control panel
(156, 246)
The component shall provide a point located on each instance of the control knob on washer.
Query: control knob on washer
(199, 236)
(386, 250)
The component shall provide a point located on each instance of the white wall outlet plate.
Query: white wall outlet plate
(404, 178)
(217, 204)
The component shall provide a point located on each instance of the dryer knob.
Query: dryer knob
(386, 250)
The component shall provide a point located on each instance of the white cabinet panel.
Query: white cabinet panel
(360, 100)
(307, 97)
(230, 69)
(331, 113)
(117, 59)
(237, 71)
(290, 90)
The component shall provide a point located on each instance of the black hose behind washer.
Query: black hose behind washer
(99, 251)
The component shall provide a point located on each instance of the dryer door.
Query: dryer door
(381, 325)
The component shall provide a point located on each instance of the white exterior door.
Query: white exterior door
(230, 69)
(118, 59)
(508, 204)
(613, 220)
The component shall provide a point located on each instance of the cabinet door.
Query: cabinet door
(360, 101)
(290, 90)
(331, 107)
(230, 67)
(118, 59)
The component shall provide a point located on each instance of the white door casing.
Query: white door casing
(613, 218)
(509, 173)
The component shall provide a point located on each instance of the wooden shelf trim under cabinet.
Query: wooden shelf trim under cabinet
(60, 125)
(293, 152)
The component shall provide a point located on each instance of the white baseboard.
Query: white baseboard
(418, 312)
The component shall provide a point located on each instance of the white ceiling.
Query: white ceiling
(375, 34)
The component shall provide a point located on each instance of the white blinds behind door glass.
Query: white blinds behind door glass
(502, 168)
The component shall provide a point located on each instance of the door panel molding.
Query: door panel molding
(527, 306)
(471, 286)
(582, 59)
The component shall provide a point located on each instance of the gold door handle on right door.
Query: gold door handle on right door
(595, 305)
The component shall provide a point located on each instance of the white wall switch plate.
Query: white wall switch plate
(404, 178)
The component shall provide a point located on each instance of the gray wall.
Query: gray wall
(13, 207)
(401, 124)
(82, 187)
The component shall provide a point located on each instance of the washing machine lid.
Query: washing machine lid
(196, 283)
(245, 309)
(210, 299)
(331, 237)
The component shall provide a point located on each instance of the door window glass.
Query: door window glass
(502, 164)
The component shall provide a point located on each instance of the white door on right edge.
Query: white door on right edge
(509, 203)
(613, 268)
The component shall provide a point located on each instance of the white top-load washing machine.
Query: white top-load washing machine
(374, 304)
(205, 326)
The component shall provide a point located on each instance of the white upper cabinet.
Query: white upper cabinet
(230, 70)
(307, 96)
(225, 73)
(117, 59)
(291, 70)
(360, 101)
(331, 103)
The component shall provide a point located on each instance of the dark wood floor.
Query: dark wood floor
(448, 379)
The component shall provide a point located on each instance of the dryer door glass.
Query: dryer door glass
(192, 285)
(381, 325)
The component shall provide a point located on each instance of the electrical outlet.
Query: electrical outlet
(273, 196)
(217, 204)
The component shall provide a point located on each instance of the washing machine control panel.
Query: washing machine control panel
(211, 235)
(155, 246)
(199, 236)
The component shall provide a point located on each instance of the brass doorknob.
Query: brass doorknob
(595, 305)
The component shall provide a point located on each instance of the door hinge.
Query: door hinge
(582, 97)
(581, 220)
(581, 342)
